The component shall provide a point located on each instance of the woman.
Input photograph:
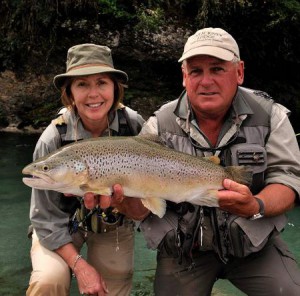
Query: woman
(91, 91)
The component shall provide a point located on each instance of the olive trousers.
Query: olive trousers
(110, 253)
(272, 271)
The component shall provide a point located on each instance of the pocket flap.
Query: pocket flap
(154, 228)
(258, 230)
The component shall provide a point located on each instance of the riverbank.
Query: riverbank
(26, 130)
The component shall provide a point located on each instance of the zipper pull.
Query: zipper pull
(201, 225)
(178, 239)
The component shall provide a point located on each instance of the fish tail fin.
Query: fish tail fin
(240, 174)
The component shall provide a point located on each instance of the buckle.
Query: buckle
(106, 221)
(96, 220)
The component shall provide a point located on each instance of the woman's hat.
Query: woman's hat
(88, 59)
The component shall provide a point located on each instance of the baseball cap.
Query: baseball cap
(211, 41)
(87, 59)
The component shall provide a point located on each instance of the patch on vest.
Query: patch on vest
(263, 94)
(59, 120)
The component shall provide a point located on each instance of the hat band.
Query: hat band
(87, 66)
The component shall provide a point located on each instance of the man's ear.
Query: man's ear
(240, 73)
(183, 76)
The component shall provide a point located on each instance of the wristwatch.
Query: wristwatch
(261, 211)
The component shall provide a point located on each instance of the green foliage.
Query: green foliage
(41, 114)
(36, 34)
(149, 19)
(115, 9)
(33, 25)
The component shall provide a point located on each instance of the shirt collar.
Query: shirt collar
(76, 130)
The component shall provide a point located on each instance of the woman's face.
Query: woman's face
(93, 96)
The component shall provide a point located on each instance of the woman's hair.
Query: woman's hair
(68, 100)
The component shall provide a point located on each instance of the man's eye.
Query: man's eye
(195, 72)
(217, 69)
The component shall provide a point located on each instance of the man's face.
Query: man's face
(211, 84)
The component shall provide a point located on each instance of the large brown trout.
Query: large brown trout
(146, 169)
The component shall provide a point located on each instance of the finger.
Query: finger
(105, 201)
(234, 186)
(104, 287)
(90, 200)
(118, 193)
(68, 194)
(104, 290)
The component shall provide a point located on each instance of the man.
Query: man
(240, 240)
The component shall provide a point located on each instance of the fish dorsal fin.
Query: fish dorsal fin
(153, 138)
(156, 205)
(214, 159)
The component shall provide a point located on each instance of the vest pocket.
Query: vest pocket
(155, 229)
(250, 236)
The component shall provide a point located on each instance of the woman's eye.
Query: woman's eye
(81, 84)
(101, 82)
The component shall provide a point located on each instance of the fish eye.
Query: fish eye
(45, 168)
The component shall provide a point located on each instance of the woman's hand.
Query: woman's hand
(89, 281)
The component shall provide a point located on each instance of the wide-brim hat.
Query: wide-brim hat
(213, 42)
(87, 59)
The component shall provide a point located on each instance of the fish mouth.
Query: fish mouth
(44, 183)
(35, 178)
(30, 174)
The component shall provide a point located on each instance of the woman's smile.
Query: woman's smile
(95, 105)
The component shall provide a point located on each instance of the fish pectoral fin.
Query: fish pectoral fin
(156, 205)
(207, 198)
(212, 200)
(98, 190)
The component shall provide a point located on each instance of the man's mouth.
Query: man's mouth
(207, 93)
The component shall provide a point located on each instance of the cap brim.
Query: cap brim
(220, 53)
(59, 80)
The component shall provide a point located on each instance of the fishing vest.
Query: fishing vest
(232, 235)
(127, 127)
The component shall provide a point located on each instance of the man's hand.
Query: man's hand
(129, 206)
(237, 199)
(104, 201)
(91, 200)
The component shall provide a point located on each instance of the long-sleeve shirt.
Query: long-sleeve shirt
(48, 219)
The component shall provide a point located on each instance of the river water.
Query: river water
(15, 152)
